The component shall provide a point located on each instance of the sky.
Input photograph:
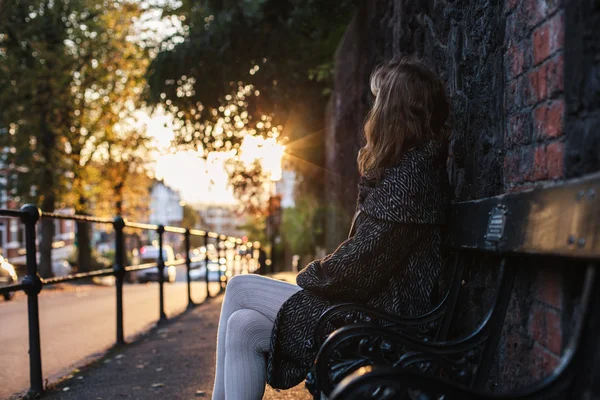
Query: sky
(197, 180)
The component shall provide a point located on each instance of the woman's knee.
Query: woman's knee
(240, 283)
(243, 280)
(248, 327)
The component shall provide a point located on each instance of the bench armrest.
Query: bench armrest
(364, 344)
(351, 313)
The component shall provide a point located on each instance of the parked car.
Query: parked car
(149, 254)
(199, 273)
(8, 276)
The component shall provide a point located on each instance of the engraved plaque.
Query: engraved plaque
(496, 223)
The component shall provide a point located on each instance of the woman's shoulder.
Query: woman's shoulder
(415, 190)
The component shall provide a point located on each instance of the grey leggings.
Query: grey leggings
(247, 317)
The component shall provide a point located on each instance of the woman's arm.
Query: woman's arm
(361, 265)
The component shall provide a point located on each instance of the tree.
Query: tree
(36, 65)
(74, 77)
(121, 176)
(271, 58)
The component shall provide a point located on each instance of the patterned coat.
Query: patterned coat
(391, 261)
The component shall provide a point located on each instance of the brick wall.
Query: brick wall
(534, 93)
(534, 138)
(523, 77)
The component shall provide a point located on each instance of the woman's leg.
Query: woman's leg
(248, 340)
(251, 292)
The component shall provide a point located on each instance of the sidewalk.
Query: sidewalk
(173, 361)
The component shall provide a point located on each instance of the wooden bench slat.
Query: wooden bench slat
(560, 220)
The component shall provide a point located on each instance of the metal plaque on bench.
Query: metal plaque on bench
(496, 224)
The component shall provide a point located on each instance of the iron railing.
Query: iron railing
(32, 283)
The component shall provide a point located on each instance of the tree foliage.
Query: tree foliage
(70, 76)
(266, 58)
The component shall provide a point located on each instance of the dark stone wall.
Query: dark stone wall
(582, 122)
(582, 86)
(525, 112)
(463, 39)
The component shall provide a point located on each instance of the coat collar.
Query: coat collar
(415, 190)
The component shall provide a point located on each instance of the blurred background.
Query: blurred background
(203, 114)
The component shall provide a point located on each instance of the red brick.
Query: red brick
(548, 288)
(549, 161)
(518, 165)
(547, 80)
(548, 38)
(538, 82)
(513, 30)
(518, 94)
(538, 10)
(518, 131)
(516, 59)
(511, 167)
(555, 72)
(555, 158)
(539, 164)
(543, 362)
(545, 328)
(548, 119)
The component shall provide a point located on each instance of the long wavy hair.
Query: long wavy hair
(410, 109)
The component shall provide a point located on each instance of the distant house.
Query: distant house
(222, 219)
(166, 207)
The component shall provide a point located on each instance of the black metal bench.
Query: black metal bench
(559, 222)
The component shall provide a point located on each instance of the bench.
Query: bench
(503, 233)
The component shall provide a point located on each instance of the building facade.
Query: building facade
(222, 219)
(166, 206)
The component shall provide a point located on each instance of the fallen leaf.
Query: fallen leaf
(157, 385)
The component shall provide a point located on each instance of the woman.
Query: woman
(391, 261)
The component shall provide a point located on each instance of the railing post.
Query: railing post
(161, 271)
(206, 280)
(33, 286)
(119, 271)
(188, 267)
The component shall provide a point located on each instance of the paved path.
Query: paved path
(174, 361)
(78, 324)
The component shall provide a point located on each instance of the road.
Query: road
(78, 323)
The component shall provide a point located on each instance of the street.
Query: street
(78, 323)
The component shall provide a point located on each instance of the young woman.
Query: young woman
(391, 261)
